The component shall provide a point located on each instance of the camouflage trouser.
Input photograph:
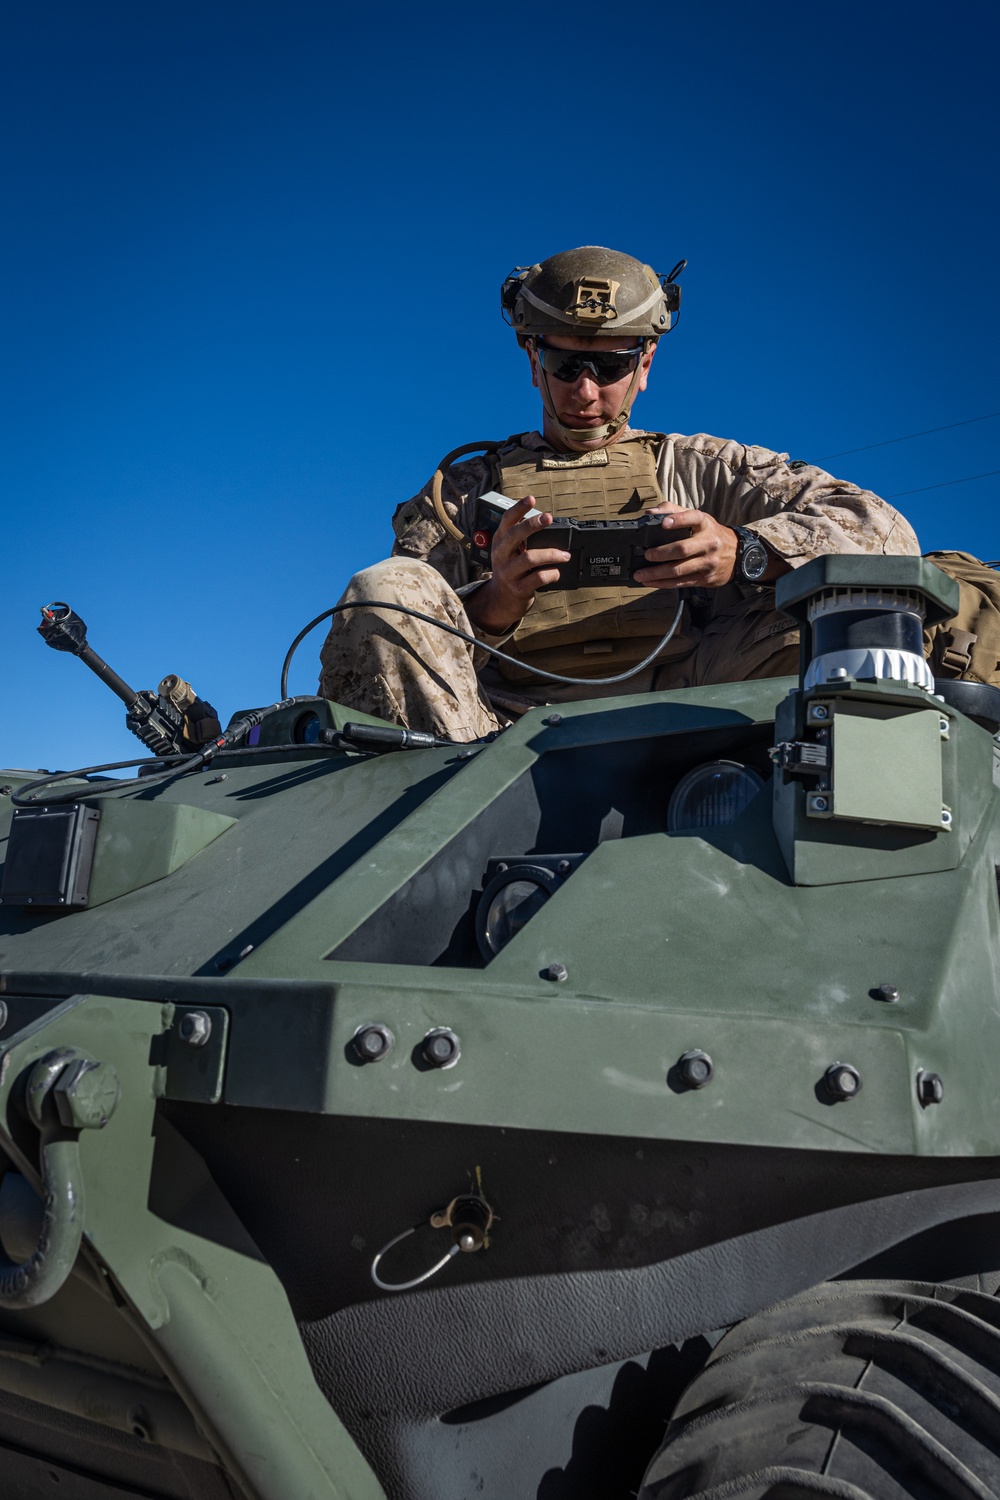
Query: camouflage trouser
(381, 662)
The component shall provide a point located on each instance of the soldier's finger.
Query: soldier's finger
(520, 531)
(541, 576)
(511, 517)
(532, 559)
(693, 571)
(676, 515)
(669, 552)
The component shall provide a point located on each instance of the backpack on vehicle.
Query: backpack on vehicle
(967, 647)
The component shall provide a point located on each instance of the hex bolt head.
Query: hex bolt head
(86, 1094)
(695, 1069)
(373, 1042)
(819, 804)
(563, 867)
(553, 719)
(819, 711)
(441, 1048)
(842, 1081)
(930, 1088)
(195, 1028)
(889, 992)
(556, 972)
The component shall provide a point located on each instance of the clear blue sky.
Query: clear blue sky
(252, 251)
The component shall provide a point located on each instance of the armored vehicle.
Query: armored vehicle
(608, 1108)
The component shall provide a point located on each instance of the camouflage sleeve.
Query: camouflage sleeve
(799, 510)
(420, 534)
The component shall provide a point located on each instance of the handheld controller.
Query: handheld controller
(602, 553)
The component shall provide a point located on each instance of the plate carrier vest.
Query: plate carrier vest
(590, 632)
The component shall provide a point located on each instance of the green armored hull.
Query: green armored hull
(420, 1123)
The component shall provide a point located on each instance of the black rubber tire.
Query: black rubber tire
(863, 1390)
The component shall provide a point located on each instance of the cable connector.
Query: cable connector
(390, 737)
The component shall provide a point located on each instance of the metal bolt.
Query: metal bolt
(562, 868)
(695, 1069)
(195, 1028)
(465, 755)
(888, 992)
(222, 776)
(467, 1241)
(930, 1088)
(441, 1048)
(373, 1041)
(945, 727)
(558, 972)
(245, 952)
(5, 791)
(86, 1094)
(820, 804)
(946, 817)
(839, 673)
(553, 719)
(842, 1081)
(3, 1014)
(819, 711)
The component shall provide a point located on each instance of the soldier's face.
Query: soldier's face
(582, 403)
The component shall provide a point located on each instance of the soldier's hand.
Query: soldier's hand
(517, 572)
(705, 559)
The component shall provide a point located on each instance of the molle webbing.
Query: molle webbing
(590, 632)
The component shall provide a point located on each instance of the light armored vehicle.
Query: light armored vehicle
(608, 1108)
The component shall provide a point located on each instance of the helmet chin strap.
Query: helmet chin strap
(582, 438)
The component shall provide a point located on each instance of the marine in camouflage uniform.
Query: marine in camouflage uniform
(589, 464)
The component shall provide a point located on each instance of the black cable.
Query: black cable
(404, 609)
(943, 486)
(185, 765)
(20, 798)
(885, 443)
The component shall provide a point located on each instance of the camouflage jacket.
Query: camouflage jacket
(799, 510)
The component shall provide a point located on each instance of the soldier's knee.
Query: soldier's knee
(398, 579)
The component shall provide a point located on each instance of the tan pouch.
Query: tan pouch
(968, 646)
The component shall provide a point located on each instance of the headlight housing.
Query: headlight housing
(515, 889)
(712, 795)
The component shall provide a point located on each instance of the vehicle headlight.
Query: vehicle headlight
(711, 795)
(517, 891)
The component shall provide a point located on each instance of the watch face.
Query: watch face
(753, 557)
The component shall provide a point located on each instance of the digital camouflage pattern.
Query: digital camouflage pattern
(400, 669)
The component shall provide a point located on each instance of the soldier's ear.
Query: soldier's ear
(533, 361)
(644, 364)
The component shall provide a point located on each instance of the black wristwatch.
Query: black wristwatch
(751, 556)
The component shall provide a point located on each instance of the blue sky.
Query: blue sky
(251, 262)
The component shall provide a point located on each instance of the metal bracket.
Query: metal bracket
(195, 1050)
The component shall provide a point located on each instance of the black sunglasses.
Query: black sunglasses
(606, 366)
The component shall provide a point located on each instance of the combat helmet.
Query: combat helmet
(588, 292)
